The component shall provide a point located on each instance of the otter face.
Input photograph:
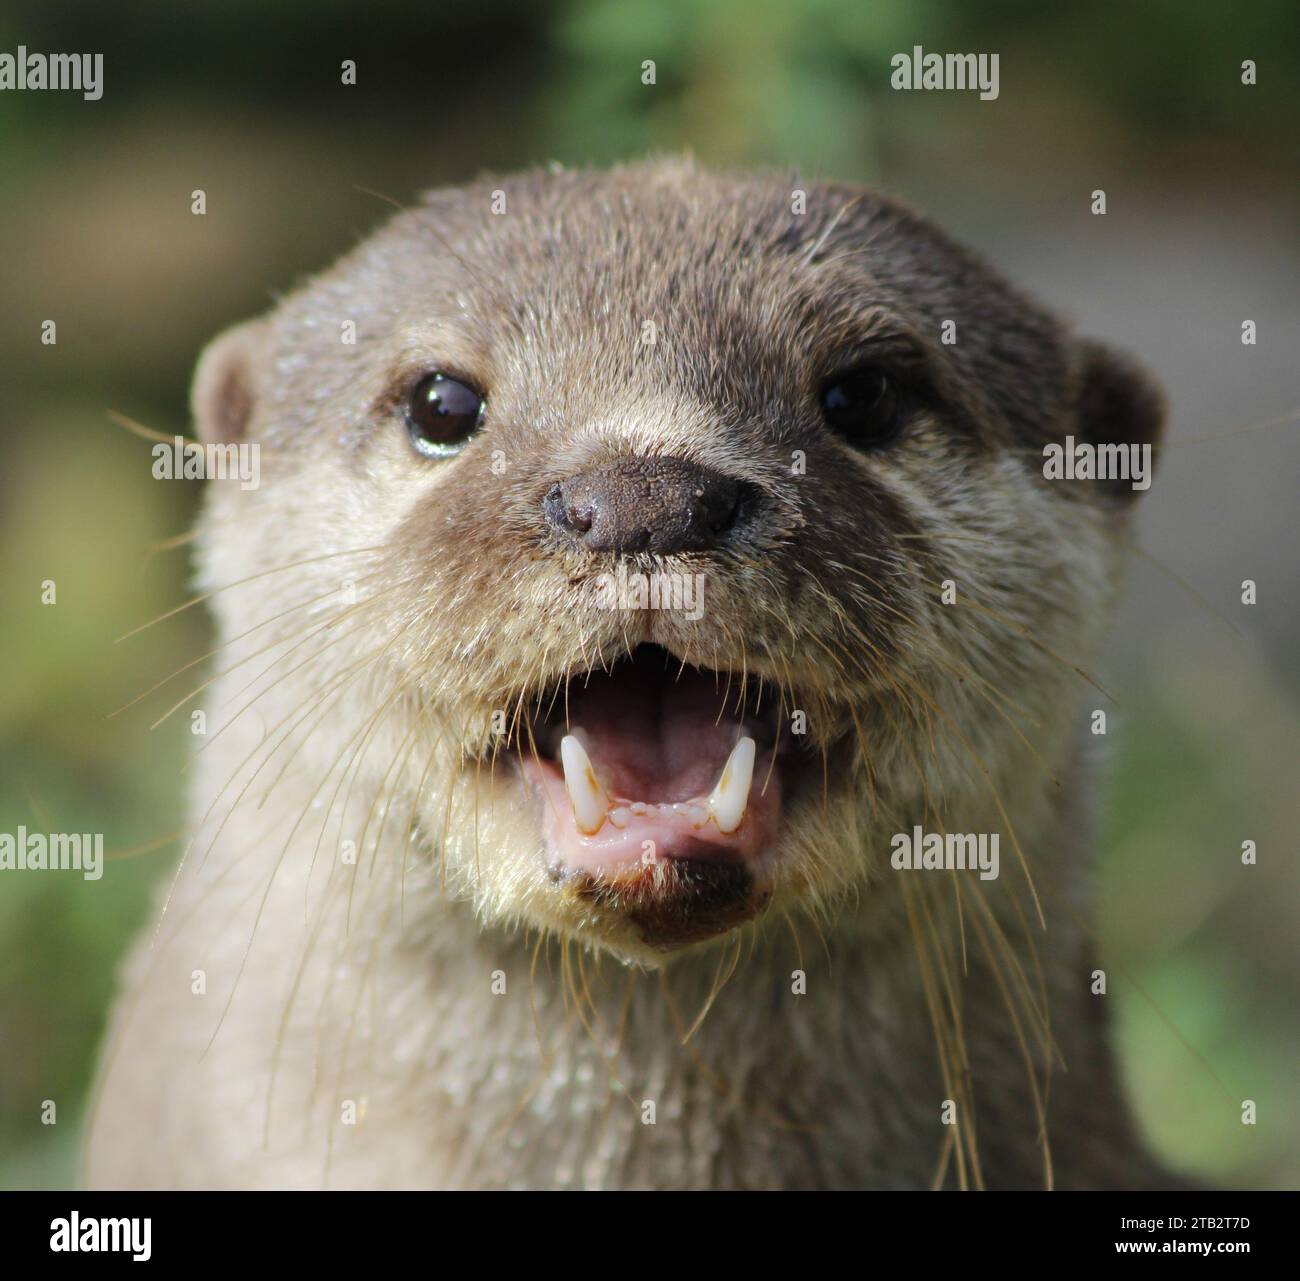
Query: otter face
(699, 544)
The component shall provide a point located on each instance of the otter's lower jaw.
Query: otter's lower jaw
(675, 902)
(659, 798)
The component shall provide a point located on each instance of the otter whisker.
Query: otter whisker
(225, 645)
(270, 881)
(311, 633)
(361, 665)
(226, 587)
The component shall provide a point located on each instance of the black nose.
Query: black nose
(660, 505)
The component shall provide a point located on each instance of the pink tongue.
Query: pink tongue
(656, 744)
(654, 739)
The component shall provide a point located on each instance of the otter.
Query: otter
(638, 554)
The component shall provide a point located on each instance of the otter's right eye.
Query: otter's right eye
(442, 414)
(863, 406)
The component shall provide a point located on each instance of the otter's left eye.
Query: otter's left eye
(442, 414)
(863, 406)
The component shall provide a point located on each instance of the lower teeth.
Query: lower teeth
(695, 812)
(726, 805)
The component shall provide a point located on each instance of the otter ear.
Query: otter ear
(224, 391)
(1119, 403)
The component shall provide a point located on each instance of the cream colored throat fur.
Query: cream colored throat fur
(358, 1027)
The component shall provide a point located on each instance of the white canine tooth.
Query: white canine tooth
(585, 794)
(731, 795)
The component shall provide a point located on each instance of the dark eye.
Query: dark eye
(863, 406)
(442, 414)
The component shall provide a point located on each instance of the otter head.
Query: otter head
(672, 538)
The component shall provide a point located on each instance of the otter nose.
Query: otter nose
(660, 505)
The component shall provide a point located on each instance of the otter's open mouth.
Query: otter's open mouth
(655, 762)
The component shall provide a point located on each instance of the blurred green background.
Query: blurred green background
(244, 101)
